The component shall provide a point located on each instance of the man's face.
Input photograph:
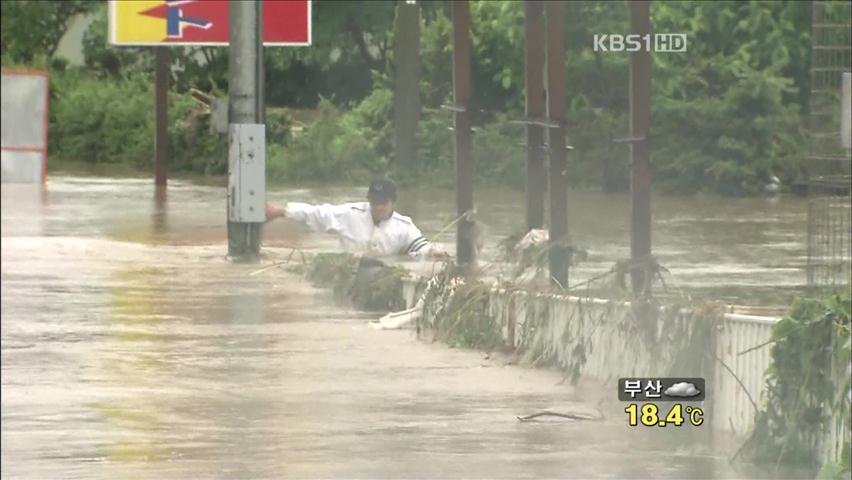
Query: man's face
(381, 209)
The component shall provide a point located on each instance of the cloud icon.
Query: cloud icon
(682, 389)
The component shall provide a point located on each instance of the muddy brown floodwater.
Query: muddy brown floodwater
(131, 348)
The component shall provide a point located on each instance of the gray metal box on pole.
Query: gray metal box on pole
(247, 167)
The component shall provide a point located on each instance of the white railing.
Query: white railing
(741, 346)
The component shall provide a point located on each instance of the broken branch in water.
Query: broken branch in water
(572, 416)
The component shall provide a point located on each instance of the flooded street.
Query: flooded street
(131, 348)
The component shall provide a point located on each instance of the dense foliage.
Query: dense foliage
(727, 114)
(808, 384)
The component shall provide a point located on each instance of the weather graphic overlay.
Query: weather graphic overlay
(650, 401)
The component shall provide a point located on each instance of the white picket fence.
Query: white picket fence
(736, 402)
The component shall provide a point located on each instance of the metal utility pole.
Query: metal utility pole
(640, 170)
(535, 98)
(260, 78)
(246, 132)
(465, 250)
(407, 91)
(558, 254)
(162, 72)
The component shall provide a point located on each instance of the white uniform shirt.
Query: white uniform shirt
(353, 223)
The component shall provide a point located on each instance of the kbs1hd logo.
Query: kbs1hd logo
(657, 42)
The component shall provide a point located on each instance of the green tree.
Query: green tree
(727, 112)
(30, 28)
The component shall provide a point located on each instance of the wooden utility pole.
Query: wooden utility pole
(535, 107)
(465, 250)
(162, 72)
(640, 170)
(407, 91)
(558, 254)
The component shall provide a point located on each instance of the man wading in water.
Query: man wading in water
(371, 226)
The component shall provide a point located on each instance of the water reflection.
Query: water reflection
(24, 209)
(133, 358)
(160, 216)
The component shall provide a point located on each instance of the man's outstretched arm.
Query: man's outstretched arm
(323, 218)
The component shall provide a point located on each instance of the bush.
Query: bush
(333, 147)
(119, 111)
(729, 144)
(95, 121)
(806, 389)
(278, 126)
(372, 118)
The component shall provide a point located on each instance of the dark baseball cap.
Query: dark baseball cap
(382, 188)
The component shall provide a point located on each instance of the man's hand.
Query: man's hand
(273, 212)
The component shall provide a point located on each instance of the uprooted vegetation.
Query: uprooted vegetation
(466, 311)
(808, 387)
(368, 284)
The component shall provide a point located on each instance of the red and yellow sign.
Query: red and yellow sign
(202, 22)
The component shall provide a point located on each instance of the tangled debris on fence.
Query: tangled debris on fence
(545, 329)
(456, 311)
(808, 388)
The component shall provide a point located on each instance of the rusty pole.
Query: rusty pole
(555, 18)
(162, 60)
(534, 73)
(465, 251)
(640, 123)
(406, 98)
